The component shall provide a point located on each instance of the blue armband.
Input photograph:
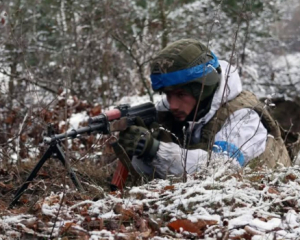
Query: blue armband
(232, 150)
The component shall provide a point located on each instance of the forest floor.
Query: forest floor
(216, 203)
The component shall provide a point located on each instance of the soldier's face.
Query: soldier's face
(181, 103)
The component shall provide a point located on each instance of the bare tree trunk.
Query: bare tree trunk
(163, 18)
(243, 55)
(11, 86)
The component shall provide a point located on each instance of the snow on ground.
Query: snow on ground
(214, 203)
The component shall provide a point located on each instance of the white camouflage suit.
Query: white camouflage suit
(243, 129)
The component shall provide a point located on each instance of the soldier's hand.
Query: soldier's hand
(137, 140)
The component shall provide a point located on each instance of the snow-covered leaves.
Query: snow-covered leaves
(239, 205)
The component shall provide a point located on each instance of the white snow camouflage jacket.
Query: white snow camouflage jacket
(242, 131)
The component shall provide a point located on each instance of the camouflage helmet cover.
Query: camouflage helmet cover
(182, 62)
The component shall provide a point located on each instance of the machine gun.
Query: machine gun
(115, 120)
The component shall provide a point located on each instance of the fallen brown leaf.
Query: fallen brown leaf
(184, 224)
(66, 227)
(273, 191)
(118, 208)
(290, 177)
(73, 230)
(189, 226)
(95, 111)
(171, 187)
(91, 225)
(128, 214)
(141, 225)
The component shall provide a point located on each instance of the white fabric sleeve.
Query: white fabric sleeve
(244, 129)
(170, 160)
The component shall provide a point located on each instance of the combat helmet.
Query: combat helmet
(187, 64)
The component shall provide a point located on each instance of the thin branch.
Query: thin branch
(18, 138)
(40, 84)
(137, 62)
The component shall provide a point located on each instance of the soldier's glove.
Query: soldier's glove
(138, 141)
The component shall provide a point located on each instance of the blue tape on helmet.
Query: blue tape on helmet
(185, 75)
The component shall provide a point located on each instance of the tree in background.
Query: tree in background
(98, 51)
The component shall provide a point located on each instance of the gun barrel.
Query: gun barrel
(146, 111)
(100, 127)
